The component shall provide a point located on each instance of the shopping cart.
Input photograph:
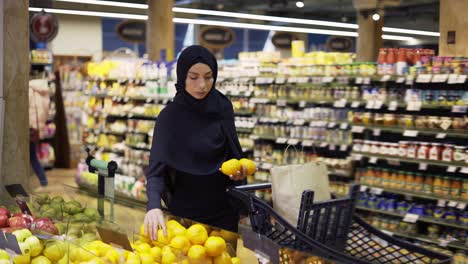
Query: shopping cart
(330, 230)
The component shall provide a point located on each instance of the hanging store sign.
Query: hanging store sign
(339, 44)
(217, 37)
(283, 40)
(43, 27)
(133, 31)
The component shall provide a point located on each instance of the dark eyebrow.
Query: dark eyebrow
(196, 73)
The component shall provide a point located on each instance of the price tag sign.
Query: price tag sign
(370, 104)
(9, 242)
(378, 104)
(424, 78)
(451, 169)
(355, 104)
(358, 80)
(385, 78)
(299, 122)
(331, 125)
(441, 135)
(307, 143)
(414, 106)
(441, 203)
(332, 147)
(357, 157)
(376, 132)
(411, 218)
(452, 204)
(459, 109)
(461, 79)
(410, 133)
(280, 80)
(363, 188)
(323, 144)
(453, 78)
(281, 102)
(112, 237)
(422, 166)
(393, 106)
(327, 79)
(464, 170)
(461, 206)
(343, 147)
(366, 80)
(393, 162)
(373, 160)
(443, 242)
(357, 129)
(293, 141)
(281, 140)
(400, 80)
(344, 126)
(340, 103)
(343, 80)
(377, 191)
(302, 104)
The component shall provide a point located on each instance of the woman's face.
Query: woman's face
(199, 80)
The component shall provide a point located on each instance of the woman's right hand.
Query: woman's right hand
(154, 219)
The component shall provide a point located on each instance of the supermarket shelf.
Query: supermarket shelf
(431, 196)
(452, 245)
(108, 132)
(244, 130)
(244, 113)
(93, 146)
(340, 173)
(147, 99)
(426, 131)
(287, 140)
(409, 160)
(138, 148)
(424, 219)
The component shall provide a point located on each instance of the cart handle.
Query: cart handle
(253, 187)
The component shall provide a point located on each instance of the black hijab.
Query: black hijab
(192, 135)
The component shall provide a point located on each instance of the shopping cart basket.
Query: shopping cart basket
(330, 229)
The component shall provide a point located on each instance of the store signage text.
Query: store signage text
(133, 31)
(217, 37)
(283, 40)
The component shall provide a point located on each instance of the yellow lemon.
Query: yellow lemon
(168, 258)
(235, 260)
(173, 224)
(112, 256)
(197, 234)
(215, 246)
(179, 230)
(197, 254)
(224, 258)
(156, 253)
(146, 258)
(231, 167)
(166, 249)
(249, 166)
(143, 248)
(180, 242)
(163, 239)
(133, 258)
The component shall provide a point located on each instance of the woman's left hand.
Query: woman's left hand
(240, 175)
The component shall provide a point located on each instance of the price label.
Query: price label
(377, 191)
(254, 137)
(409, 80)
(113, 237)
(327, 79)
(281, 102)
(332, 147)
(461, 206)
(443, 242)
(461, 79)
(343, 80)
(414, 106)
(355, 104)
(340, 103)
(452, 204)
(378, 104)
(344, 126)
(358, 80)
(280, 80)
(293, 141)
(400, 80)
(303, 80)
(281, 140)
(366, 80)
(385, 78)
(459, 109)
(323, 144)
(302, 104)
(441, 203)
(357, 157)
(446, 124)
(370, 104)
(373, 160)
(441, 135)
(442, 78)
(451, 169)
(393, 106)
(307, 143)
(422, 166)
(464, 170)
(363, 188)
(376, 132)
(410, 133)
(357, 129)
(393, 162)
(411, 218)
(453, 78)
(424, 78)
(343, 147)
(331, 125)
(299, 122)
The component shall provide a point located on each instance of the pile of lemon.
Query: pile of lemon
(193, 245)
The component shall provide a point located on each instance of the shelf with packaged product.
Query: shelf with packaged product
(439, 133)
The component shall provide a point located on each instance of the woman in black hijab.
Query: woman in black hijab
(193, 136)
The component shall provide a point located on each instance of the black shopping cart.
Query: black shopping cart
(330, 230)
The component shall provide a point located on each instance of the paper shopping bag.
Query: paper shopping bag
(288, 183)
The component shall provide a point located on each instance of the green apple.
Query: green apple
(22, 234)
(35, 244)
(40, 260)
(4, 255)
(26, 257)
(54, 251)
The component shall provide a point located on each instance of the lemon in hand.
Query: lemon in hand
(231, 167)
(249, 166)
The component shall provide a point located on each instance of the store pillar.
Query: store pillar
(369, 40)
(160, 29)
(453, 40)
(14, 72)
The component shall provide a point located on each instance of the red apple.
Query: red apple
(46, 225)
(3, 220)
(4, 211)
(18, 221)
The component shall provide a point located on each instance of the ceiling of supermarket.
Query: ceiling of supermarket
(410, 14)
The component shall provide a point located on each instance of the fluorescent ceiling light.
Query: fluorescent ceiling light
(256, 17)
(375, 17)
(300, 4)
(217, 23)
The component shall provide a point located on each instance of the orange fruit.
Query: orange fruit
(215, 246)
(249, 166)
(231, 167)
(197, 234)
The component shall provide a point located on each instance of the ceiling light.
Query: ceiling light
(300, 4)
(257, 17)
(376, 17)
(89, 13)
